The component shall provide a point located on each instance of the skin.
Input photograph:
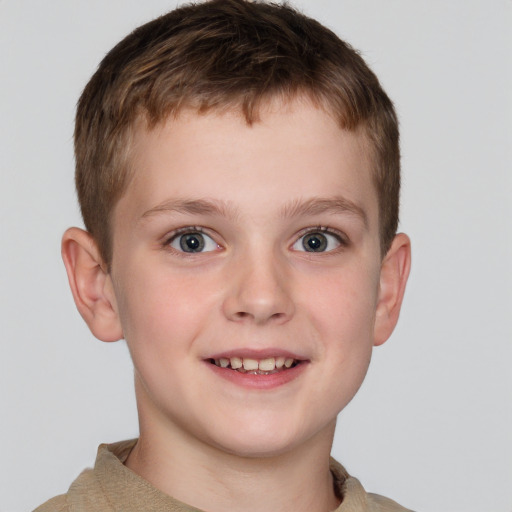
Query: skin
(254, 192)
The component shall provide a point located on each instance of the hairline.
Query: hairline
(142, 121)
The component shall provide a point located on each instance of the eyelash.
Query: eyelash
(340, 236)
(184, 231)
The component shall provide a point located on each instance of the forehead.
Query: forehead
(294, 151)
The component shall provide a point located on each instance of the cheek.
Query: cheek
(345, 299)
(160, 319)
(162, 310)
(345, 318)
(343, 315)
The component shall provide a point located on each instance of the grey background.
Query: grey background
(432, 425)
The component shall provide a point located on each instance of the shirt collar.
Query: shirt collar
(125, 491)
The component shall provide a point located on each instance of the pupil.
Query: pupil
(315, 242)
(192, 242)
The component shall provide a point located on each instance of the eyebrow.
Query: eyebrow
(194, 207)
(314, 206)
(332, 205)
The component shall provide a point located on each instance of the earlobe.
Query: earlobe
(91, 284)
(393, 279)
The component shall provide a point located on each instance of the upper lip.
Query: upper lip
(258, 354)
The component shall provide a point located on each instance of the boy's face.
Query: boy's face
(237, 242)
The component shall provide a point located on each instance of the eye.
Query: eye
(193, 242)
(317, 241)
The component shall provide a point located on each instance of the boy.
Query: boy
(237, 167)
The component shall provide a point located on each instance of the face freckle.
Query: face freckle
(271, 255)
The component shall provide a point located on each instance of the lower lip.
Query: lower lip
(252, 381)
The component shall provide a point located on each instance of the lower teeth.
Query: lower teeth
(256, 372)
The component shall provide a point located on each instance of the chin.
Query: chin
(261, 440)
(260, 449)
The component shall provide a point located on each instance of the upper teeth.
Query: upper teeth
(248, 364)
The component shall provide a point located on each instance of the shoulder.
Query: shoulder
(86, 492)
(83, 494)
(382, 504)
(355, 498)
(57, 504)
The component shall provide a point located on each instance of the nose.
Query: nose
(259, 290)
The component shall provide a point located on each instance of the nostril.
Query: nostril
(257, 303)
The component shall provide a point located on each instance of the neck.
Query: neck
(180, 464)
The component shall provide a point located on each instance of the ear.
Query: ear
(393, 278)
(91, 284)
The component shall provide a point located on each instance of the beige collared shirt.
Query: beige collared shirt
(111, 487)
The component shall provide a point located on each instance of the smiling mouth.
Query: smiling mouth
(267, 366)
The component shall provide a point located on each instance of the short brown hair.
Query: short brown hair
(224, 54)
